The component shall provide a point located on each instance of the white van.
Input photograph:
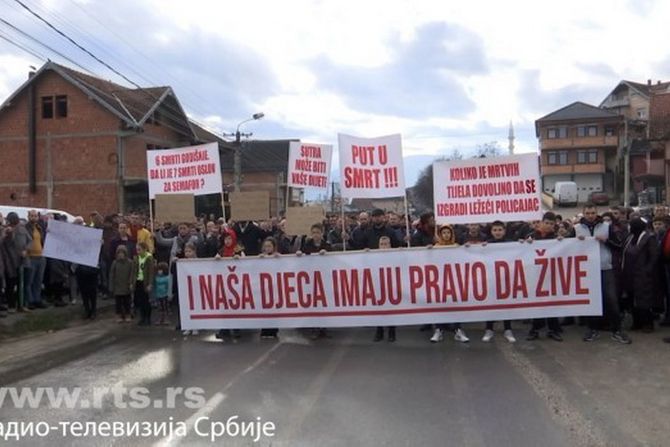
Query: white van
(565, 193)
(22, 212)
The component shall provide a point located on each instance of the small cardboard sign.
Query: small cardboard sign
(175, 208)
(251, 205)
(299, 219)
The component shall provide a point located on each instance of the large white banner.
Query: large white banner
(371, 168)
(74, 243)
(187, 170)
(309, 165)
(399, 287)
(486, 189)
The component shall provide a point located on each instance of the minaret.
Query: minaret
(510, 137)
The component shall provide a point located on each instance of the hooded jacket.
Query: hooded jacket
(228, 252)
(446, 242)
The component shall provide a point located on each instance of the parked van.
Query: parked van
(22, 212)
(565, 193)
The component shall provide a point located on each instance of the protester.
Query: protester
(123, 238)
(34, 278)
(447, 238)
(640, 260)
(161, 289)
(269, 249)
(358, 235)
(543, 231)
(250, 236)
(15, 244)
(424, 235)
(338, 237)
(189, 252)
(375, 230)
(87, 280)
(316, 243)
(592, 225)
(498, 234)
(229, 249)
(385, 244)
(120, 282)
(142, 282)
(208, 246)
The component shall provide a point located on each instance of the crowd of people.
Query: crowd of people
(137, 265)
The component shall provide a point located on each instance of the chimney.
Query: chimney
(31, 74)
(648, 82)
(658, 82)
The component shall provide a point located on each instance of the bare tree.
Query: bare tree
(423, 189)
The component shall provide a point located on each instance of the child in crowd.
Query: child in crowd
(498, 234)
(143, 282)
(161, 288)
(189, 253)
(229, 249)
(447, 238)
(120, 279)
(315, 244)
(269, 249)
(384, 244)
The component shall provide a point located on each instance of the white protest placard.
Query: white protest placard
(486, 189)
(74, 243)
(188, 170)
(371, 168)
(506, 281)
(309, 165)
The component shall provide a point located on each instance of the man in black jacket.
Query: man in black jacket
(250, 236)
(377, 229)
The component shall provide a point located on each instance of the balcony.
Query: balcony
(578, 142)
(592, 168)
(623, 102)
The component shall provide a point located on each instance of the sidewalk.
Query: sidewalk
(34, 342)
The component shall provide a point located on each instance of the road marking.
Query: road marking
(215, 400)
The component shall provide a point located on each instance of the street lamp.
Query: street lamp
(237, 158)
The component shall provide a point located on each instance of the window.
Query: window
(587, 131)
(557, 157)
(61, 106)
(588, 156)
(557, 132)
(47, 107)
(157, 118)
(609, 131)
(641, 113)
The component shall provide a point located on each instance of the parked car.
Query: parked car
(599, 198)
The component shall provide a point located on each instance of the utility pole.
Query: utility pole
(237, 154)
(626, 165)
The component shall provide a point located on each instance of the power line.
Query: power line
(37, 41)
(33, 53)
(73, 42)
(174, 112)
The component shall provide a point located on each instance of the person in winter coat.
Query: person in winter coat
(446, 237)
(120, 282)
(424, 234)
(375, 230)
(640, 258)
(250, 236)
(208, 247)
(591, 225)
(142, 282)
(15, 248)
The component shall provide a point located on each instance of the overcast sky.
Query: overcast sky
(444, 74)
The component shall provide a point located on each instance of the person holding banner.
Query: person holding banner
(269, 249)
(378, 228)
(498, 235)
(447, 238)
(315, 244)
(384, 244)
(546, 229)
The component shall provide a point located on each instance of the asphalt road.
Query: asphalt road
(349, 391)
